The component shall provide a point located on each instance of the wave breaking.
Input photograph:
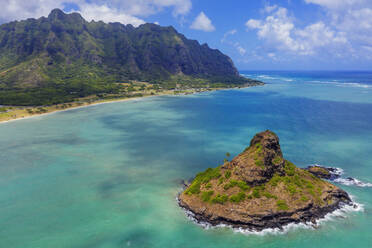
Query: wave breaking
(336, 176)
(342, 212)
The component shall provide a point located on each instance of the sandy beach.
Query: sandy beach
(21, 113)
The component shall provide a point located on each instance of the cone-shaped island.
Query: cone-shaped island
(259, 189)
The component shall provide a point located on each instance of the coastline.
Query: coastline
(72, 108)
(259, 189)
(312, 220)
(341, 211)
(22, 113)
(52, 109)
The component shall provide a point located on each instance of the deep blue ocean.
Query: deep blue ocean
(108, 175)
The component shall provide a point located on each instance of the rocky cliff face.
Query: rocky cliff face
(259, 189)
(62, 57)
(256, 164)
(148, 52)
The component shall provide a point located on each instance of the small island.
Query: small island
(259, 189)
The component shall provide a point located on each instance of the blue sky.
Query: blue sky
(257, 35)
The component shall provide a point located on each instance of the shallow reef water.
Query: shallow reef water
(108, 175)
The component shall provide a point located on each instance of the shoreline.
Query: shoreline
(84, 105)
(74, 107)
(341, 210)
(259, 189)
(54, 109)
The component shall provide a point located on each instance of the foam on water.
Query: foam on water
(352, 182)
(342, 84)
(343, 212)
(348, 181)
(266, 77)
(359, 85)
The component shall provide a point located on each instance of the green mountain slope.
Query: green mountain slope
(63, 57)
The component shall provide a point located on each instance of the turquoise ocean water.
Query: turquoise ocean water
(108, 175)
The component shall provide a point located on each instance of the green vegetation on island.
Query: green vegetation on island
(260, 189)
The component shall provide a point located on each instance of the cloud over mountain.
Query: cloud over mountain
(203, 23)
(125, 11)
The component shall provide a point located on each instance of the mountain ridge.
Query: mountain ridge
(63, 54)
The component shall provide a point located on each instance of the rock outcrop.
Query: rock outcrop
(328, 173)
(259, 189)
(319, 171)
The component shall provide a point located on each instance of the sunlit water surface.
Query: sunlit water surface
(108, 175)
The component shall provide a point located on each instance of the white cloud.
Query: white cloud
(270, 8)
(18, 9)
(252, 23)
(241, 50)
(125, 11)
(353, 18)
(145, 8)
(106, 14)
(231, 32)
(279, 32)
(228, 33)
(335, 3)
(182, 7)
(203, 23)
(344, 31)
(275, 29)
